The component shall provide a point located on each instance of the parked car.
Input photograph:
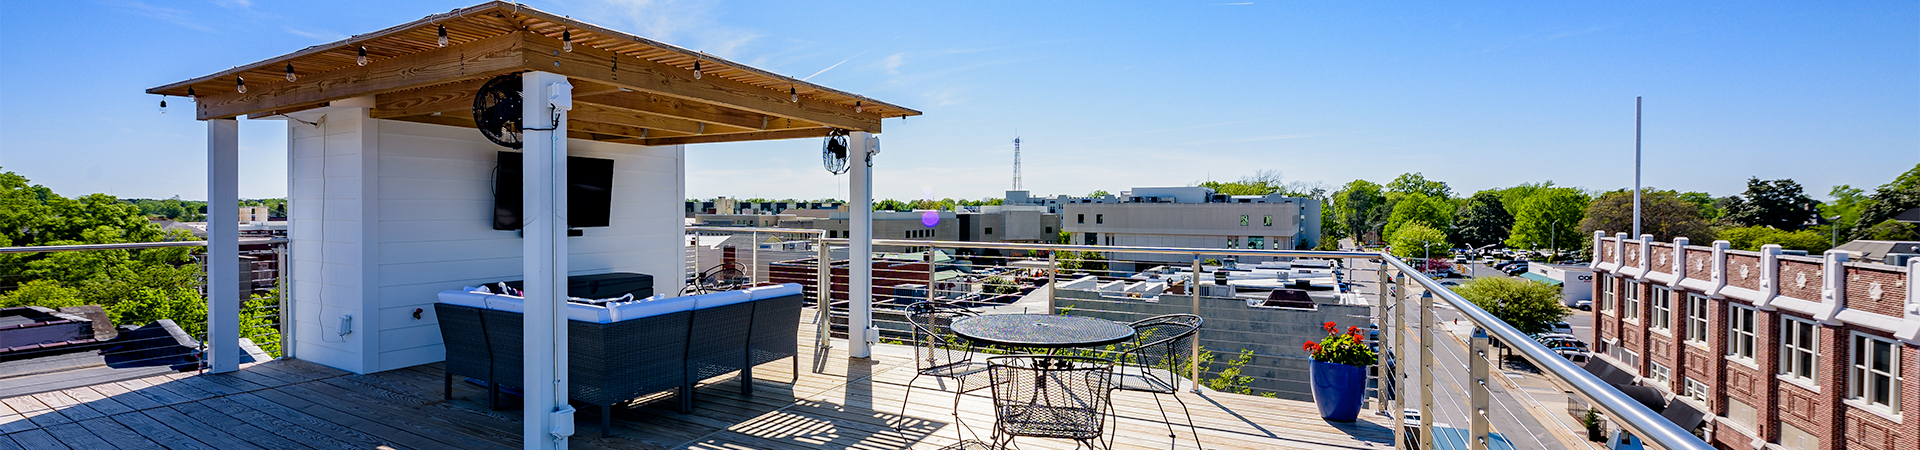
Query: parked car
(1583, 305)
(1563, 327)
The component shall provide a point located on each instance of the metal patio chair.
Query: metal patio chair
(1060, 397)
(939, 353)
(1152, 362)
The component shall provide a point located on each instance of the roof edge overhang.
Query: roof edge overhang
(642, 91)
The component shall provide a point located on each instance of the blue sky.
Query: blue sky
(1105, 95)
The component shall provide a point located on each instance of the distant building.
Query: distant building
(725, 205)
(925, 225)
(1191, 217)
(740, 220)
(1575, 282)
(1009, 223)
(1880, 251)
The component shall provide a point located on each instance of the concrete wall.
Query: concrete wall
(1274, 335)
(388, 213)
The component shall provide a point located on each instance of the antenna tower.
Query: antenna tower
(1016, 163)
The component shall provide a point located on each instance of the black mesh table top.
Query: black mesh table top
(1041, 330)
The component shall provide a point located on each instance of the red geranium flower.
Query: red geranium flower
(1329, 326)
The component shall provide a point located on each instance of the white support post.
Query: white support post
(223, 245)
(860, 335)
(548, 419)
(1399, 351)
(1426, 369)
(1383, 321)
(1193, 369)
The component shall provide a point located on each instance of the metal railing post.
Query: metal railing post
(930, 273)
(280, 290)
(753, 272)
(1053, 280)
(823, 300)
(1478, 396)
(1194, 282)
(1426, 369)
(1399, 288)
(1382, 321)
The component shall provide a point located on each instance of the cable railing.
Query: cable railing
(150, 317)
(1259, 305)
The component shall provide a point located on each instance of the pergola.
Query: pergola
(605, 85)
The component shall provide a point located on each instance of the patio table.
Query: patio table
(1046, 331)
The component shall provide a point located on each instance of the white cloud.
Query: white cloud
(168, 15)
(318, 35)
(688, 23)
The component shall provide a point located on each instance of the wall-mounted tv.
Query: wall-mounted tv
(589, 192)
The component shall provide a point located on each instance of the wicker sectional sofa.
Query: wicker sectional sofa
(626, 350)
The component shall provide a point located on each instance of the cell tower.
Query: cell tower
(1016, 163)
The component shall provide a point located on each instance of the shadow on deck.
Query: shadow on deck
(836, 402)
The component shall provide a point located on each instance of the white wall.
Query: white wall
(428, 228)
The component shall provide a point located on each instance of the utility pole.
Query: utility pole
(1636, 166)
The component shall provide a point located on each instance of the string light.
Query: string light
(362, 60)
(443, 35)
(290, 75)
(163, 105)
(794, 95)
(696, 70)
(241, 83)
(191, 97)
(858, 108)
(566, 39)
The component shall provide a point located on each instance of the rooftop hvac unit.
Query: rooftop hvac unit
(1898, 259)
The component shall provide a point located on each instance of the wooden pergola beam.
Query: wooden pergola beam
(585, 62)
(793, 133)
(482, 58)
(673, 107)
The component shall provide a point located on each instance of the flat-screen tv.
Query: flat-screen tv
(589, 192)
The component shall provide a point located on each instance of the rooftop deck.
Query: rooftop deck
(836, 402)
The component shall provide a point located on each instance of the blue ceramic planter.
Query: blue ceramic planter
(1338, 389)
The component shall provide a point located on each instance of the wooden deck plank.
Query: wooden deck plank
(93, 399)
(76, 436)
(37, 440)
(206, 433)
(7, 443)
(289, 430)
(154, 430)
(119, 435)
(34, 410)
(120, 394)
(425, 425)
(353, 435)
(67, 406)
(141, 388)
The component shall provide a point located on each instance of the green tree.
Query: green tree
(1361, 207)
(1511, 197)
(1099, 193)
(1435, 213)
(1549, 219)
(1482, 221)
(1752, 238)
(1703, 202)
(1774, 203)
(1844, 210)
(1891, 230)
(1664, 214)
(1415, 183)
(1417, 240)
(1888, 201)
(1527, 305)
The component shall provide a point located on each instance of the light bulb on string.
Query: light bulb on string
(290, 76)
(859, 108)
(191, 97)
(443, 35)
(241, 84)
(163, 105)
(793, 95)
(566, 40)
(362, 60)
(696, 70)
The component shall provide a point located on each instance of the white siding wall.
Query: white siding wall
(430, 229)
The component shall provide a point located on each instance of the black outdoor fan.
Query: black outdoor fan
(496, 110)
(833, 153)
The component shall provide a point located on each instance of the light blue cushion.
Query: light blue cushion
(778, 290)
(650, 307)
(718, 299)
(588, 313)
(464, 298)
(506, 303)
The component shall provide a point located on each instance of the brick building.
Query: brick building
(1783, 351)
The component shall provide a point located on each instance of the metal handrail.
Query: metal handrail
(1639, 419)
(129, 245)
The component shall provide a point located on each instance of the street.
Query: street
(1507, 415)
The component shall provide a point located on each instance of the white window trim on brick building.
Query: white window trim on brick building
(1697, 307)
(1741, 342)
(1699, 392)
(1799, 350)
(1660, 310)
(1862, 374)
(1609, 291)
(1630, 310)
(1661, 375)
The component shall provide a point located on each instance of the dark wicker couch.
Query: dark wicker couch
(609, 363)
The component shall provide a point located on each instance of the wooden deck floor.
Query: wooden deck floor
(837, 402)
